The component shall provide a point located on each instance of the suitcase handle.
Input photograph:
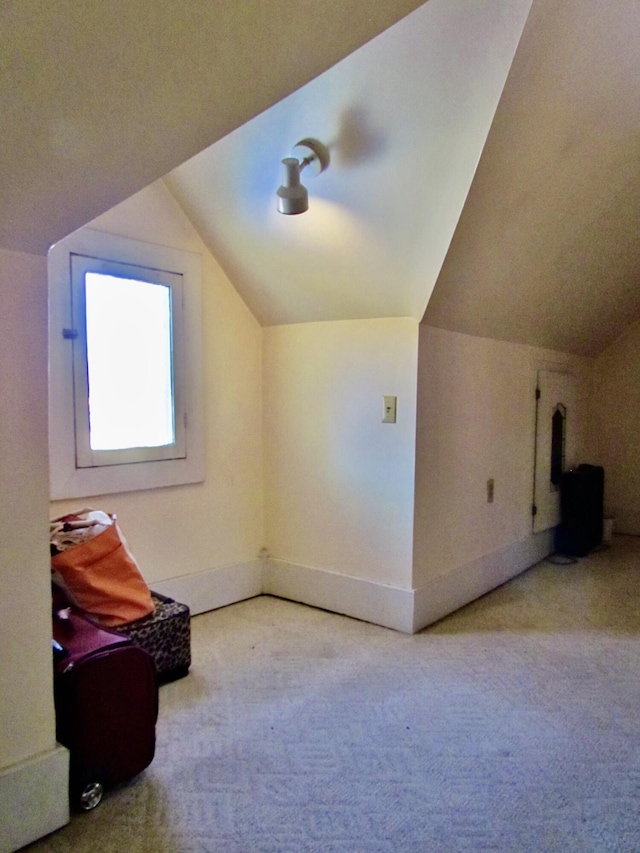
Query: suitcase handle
(59, 651)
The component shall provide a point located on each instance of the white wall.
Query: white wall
(179, 531)
(33, 795)
(405, 118)
(616, 433)
(338, 482)
(26, 706)
(476, 420)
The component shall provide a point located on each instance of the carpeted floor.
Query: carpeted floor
(512, 726)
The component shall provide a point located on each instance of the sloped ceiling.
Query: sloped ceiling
(547, 250)
(99, 99)
(405, 118)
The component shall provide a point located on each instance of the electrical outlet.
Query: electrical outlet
(490, 485)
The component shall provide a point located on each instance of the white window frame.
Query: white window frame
(67, 478)
(86, 456)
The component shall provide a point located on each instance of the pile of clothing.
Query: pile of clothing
(76, 528)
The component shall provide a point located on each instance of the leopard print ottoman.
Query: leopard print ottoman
(166, 635)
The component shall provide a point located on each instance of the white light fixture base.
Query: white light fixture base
(313, 156)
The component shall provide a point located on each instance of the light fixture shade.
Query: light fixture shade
(292, 195)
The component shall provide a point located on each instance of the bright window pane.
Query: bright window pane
(129, 363)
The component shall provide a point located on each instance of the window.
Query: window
(125, 374)
(127, 370)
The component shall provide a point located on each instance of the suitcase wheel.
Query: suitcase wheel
(90, 796)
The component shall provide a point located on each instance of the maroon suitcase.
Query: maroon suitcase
(106, 700)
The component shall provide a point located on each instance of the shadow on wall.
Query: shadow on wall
(357, 140)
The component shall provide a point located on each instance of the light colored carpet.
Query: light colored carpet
(512, 725)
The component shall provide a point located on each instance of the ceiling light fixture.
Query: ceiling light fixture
(292, 195)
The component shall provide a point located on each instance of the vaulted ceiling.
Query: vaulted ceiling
(99, 99)
(547, 250)
(539, 244)
(511, 208)
(405, 118)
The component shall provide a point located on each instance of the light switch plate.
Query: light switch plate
(389, 410)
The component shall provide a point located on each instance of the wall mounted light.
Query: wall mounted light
(292, 195)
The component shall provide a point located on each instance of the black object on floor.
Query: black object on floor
(581, 510)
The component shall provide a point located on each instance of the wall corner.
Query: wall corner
(34, 798)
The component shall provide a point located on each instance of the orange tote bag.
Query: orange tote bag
(103, 578)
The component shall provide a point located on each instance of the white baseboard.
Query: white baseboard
(447, 593)
(34, 798)
(214, 588)
(407, 610)
(389, 606)
(627, 522)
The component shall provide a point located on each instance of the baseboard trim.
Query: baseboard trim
(34, 798)
(389, 606)
(406, 610)
(447, 593)
(214, 588)
(626, 522)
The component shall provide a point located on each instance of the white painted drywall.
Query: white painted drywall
(405, 118)
(183, 530)
(547, 248)
(26, 696)
(338, 481)
(476, 421)
(616, 404)
(120, 93)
